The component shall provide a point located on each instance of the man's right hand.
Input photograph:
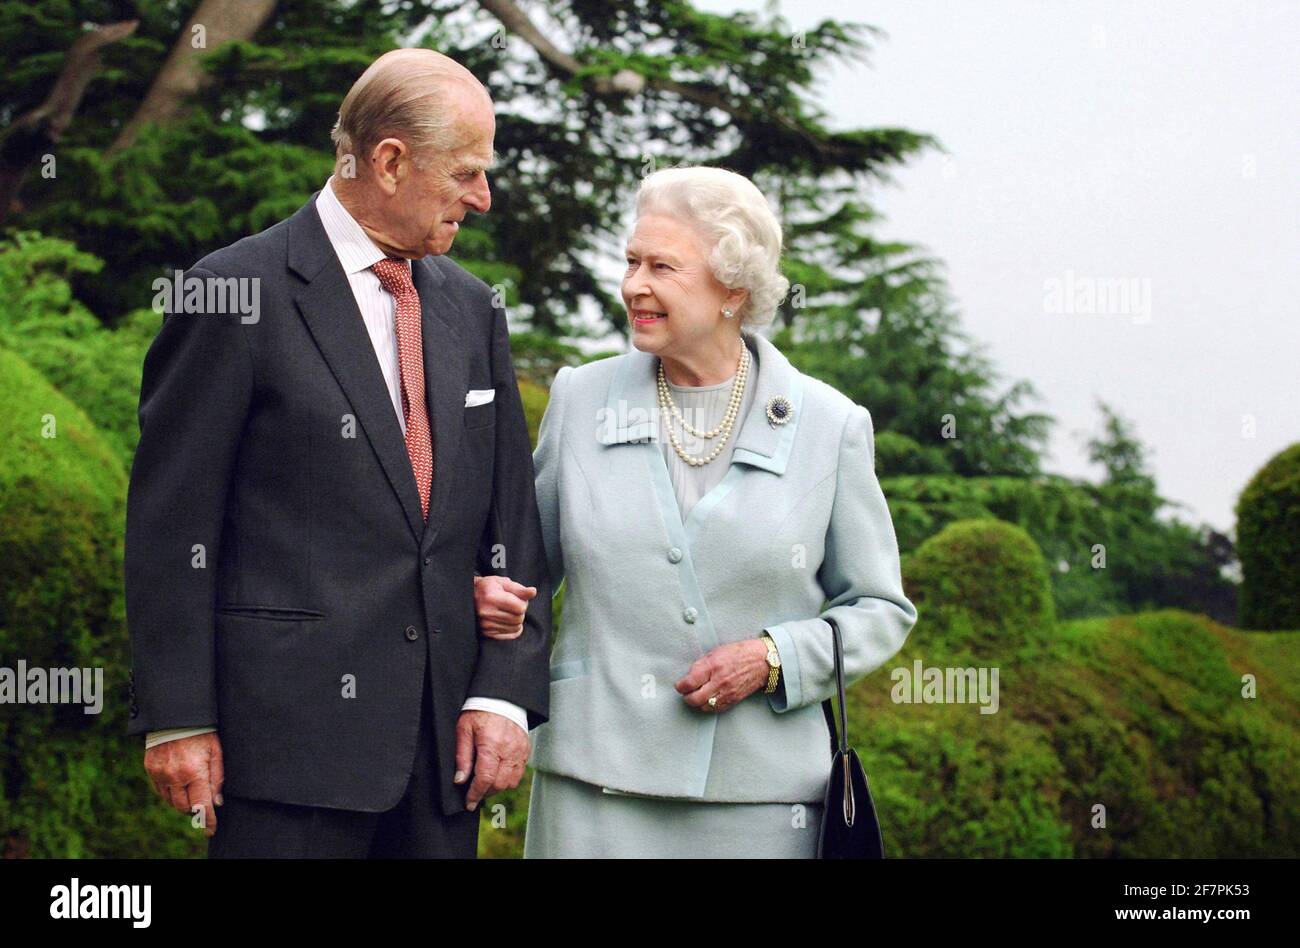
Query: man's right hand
(189, 772)
(500, 604)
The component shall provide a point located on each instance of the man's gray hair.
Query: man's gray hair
(406, 94)
(737, 224)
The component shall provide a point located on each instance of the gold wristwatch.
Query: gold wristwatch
(773, 664)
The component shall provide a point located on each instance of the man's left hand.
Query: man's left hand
(493, 750)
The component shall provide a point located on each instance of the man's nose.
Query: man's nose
(480, 198)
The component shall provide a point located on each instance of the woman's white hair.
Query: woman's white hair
(736, 222)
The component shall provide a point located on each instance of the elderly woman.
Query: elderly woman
(708, 507)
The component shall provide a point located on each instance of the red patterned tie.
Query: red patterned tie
(395, 275)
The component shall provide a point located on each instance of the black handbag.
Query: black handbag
(850, 829)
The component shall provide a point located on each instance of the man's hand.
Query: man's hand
(500, 604)
(492, 748)
(733, 672)
(188, 773)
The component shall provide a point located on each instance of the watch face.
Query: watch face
(773, 660)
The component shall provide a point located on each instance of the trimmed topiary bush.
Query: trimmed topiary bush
(980, 588)
(72, 784)
(1268, 544)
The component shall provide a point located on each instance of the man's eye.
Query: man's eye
(664, 265)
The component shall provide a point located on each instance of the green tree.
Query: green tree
(639, 83)
(1157, 560)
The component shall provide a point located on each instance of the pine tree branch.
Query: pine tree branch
(37, 132)
(628, 82)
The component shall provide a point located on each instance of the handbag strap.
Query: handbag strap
(840, 740)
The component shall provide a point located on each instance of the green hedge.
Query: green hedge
(1143, 715)
(95, 367)
(73, 784)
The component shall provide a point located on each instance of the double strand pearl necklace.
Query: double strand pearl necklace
(667, 405)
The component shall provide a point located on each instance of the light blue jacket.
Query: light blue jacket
(798, 528)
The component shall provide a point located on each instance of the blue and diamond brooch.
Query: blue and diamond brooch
(779, 410)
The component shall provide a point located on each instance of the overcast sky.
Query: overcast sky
(1153, 144)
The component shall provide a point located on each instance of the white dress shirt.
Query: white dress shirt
(357, 252)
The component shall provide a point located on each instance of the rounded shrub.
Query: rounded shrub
(980, 586)
(1268, 545)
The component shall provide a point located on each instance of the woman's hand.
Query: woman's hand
(500, 604)
(733, 672)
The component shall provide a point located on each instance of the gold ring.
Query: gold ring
(713, 701)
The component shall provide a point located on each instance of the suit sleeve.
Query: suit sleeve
(546, 459)
(514, 670)
(195, 393)
(862, 581)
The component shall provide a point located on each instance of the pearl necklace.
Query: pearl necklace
(667, 405)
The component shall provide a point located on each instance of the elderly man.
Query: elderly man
(317, 483)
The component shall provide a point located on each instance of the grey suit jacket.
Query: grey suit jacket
(797, 529)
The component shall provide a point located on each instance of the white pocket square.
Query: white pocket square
(479, 396)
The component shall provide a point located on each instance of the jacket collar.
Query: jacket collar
(631, 412)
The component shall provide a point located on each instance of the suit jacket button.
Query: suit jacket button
(135, 712)
(690, 615)
(674, 555)
(428, 560)
(412, 633)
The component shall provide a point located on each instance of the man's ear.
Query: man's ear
(389, 160)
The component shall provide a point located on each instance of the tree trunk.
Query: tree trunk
(182, 74)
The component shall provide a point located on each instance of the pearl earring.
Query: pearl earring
(726, 312)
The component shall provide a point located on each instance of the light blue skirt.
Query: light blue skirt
(568, 818)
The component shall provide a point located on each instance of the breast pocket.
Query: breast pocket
(481, 416)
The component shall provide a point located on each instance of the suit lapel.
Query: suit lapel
(329, 309)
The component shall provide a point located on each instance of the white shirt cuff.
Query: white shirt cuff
(498, 706)
(173, 734)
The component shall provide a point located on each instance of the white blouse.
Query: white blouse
(703, 406)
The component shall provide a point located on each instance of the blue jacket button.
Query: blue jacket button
(690, 615)
(674, 555)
